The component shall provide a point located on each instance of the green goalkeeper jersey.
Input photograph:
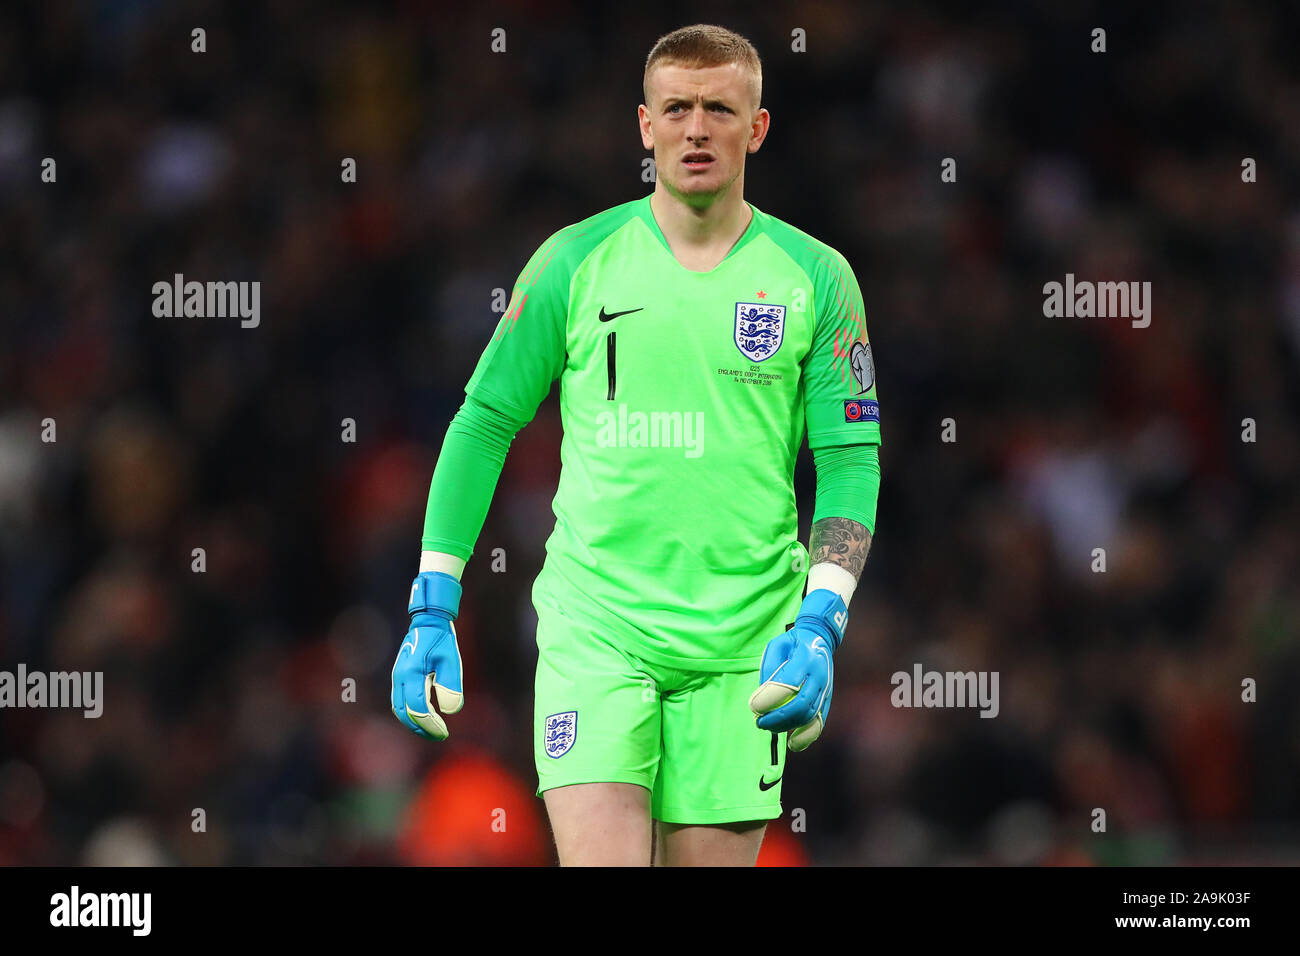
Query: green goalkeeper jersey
(684, 398)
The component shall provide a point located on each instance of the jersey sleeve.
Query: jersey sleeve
(839, 374)
(848, 483)
(465, 477)
(527, 351)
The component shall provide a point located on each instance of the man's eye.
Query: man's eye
(717, 108)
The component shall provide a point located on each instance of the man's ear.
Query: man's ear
(643, 124)
(766, 117)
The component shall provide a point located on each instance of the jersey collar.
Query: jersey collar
(752, 230)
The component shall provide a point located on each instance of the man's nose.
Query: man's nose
(696, 129)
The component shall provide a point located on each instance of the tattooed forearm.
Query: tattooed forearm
(840, 541)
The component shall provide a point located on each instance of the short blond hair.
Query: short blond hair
(704, 45)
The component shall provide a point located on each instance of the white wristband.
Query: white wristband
(832, 577)
(440, 561)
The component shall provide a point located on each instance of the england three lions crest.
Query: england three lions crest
(759, 329)
(561, 732)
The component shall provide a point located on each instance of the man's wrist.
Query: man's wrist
(832, 577)
(441, 561)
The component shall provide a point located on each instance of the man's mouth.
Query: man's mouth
(697, 160)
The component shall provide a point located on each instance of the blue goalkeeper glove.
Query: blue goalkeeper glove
(796, 673)
(428, 661)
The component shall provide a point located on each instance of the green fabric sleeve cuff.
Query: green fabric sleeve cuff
(848, 482)
(466, 475)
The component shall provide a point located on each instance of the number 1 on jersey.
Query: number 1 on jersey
(609, 355)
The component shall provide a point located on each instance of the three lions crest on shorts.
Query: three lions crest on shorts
(759, 329)
(561, 731)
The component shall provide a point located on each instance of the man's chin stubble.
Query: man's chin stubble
(703, 197)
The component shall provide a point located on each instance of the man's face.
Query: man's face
(701, 123)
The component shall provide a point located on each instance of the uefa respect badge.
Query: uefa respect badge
(861, 410)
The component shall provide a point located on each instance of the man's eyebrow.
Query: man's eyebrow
(708, 101)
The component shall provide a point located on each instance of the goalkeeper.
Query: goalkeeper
(696, 339)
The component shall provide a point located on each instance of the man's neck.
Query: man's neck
(695, 232)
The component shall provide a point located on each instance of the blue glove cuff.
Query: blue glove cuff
(435, 592)
(824, 612)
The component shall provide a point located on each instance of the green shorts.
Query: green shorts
(603, 714)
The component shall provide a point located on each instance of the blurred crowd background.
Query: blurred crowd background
(223, 689)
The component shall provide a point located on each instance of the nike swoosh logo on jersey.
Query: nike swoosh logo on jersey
(764, 785)
(606, 316)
